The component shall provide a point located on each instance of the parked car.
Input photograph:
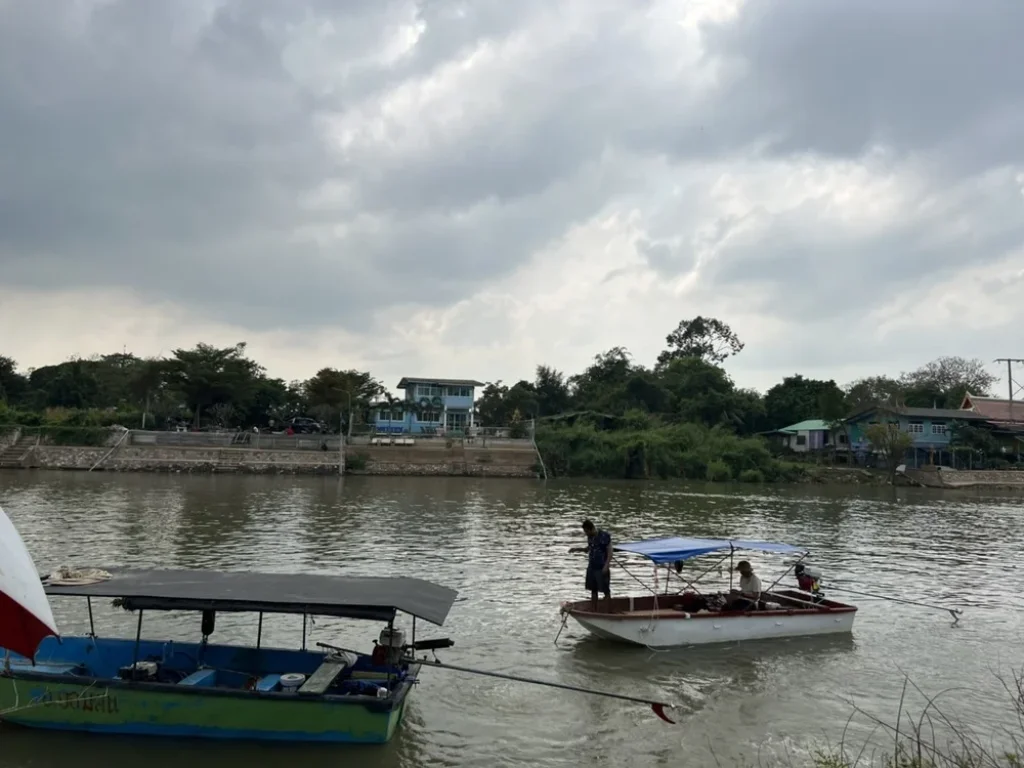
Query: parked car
(302, 425)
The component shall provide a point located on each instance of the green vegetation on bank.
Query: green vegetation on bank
(681, 417)
(636, 451)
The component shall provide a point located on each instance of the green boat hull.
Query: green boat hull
(161, 710)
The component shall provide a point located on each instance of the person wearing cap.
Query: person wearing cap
(747, 597)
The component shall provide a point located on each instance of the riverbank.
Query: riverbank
(359, 460)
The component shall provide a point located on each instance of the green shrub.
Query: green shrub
(356, 461)
(718, 472)
(751, 476)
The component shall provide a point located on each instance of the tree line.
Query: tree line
(687, 384)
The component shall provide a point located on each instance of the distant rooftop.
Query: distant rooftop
(409, 380)
(810, 425)
(921, 413)
(995, 408)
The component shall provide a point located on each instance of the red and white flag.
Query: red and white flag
(25, 615)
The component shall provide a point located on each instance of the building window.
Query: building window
(429, 390)
(431, 417)
(390, 416)
(938, 429)
(801, 439)
(915, 427)
(460, 391)
(841, 439)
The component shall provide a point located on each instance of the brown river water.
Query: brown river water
(502, 545)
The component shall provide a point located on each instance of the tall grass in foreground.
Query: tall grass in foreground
(914, 740)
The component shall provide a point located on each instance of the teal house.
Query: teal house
(929, 427)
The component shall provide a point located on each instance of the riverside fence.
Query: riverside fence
(27, 436)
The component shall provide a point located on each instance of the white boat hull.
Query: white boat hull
(669, 628)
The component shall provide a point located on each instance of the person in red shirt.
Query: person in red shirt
(806, 582)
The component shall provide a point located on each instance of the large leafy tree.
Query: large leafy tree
(947, 380)
(13, 386)
(874, 390)
(207, 376)
(706, 338)
(603, 385)
(797, 399)
(331, 393)
(551, 391)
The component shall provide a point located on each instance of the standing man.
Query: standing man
(599, 564)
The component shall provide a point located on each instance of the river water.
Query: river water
(503, 546)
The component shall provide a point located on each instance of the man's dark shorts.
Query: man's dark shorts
(598, 581)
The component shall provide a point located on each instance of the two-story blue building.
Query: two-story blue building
(430, 406)
(929, 428)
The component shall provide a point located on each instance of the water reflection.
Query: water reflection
(503, 545)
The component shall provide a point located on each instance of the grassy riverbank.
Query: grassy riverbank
(685, 451)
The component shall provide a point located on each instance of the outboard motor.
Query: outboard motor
(389, 648)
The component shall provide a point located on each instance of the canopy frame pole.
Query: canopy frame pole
(303, 631)
(633, 576)
(732, 569)
(259, 631)
(702, 574)
(138, 641)
(786, 572)
(92, 623)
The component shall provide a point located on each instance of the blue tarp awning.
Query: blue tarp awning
(676, 548)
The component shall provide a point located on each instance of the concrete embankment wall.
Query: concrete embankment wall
(518, 461)
(978, 478)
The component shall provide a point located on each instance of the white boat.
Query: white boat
(688, 617)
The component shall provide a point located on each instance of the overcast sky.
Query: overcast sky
(467, 188)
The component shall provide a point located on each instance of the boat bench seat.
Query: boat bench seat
(200, 677)
(268, 682)
(55, 668)
(325, 674)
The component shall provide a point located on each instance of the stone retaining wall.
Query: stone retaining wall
(368, 460)
(963, 478)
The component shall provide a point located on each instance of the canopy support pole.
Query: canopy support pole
(786, 572)
(702, 574)
(732, 569)
(92, 624)
(259, 631)
(138, 640)
(303, 631)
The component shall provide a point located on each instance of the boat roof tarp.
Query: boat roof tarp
(361, 597)
(676, 548)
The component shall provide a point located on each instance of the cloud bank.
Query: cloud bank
(468, 189)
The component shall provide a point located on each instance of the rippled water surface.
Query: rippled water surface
(503, 546)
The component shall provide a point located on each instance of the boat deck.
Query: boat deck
(693, 606)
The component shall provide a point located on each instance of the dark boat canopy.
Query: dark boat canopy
(358, 597)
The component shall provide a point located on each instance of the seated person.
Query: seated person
(748, 596)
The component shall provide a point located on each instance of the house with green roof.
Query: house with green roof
(809, 435)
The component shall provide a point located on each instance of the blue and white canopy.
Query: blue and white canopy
(675, 548)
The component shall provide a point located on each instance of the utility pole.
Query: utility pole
(341, 433)
(1012, 385)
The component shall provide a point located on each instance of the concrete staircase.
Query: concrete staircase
(229, 461)
(15, 454)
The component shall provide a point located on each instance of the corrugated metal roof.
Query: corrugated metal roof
(997, 409)
(810, 425)
(920, 413)
(407, 380)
